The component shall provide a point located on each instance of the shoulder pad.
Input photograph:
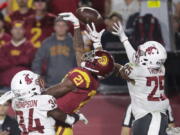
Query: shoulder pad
(80, 78)
(47, 103)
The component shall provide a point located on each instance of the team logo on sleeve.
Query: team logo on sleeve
(103, 60)
(78, 80)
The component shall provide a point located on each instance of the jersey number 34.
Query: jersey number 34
(38, 127)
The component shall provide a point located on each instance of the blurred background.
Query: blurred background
(28, 41)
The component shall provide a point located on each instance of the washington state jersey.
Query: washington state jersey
(32, 114)
(39, 28)
(86, 87)
(147, 89)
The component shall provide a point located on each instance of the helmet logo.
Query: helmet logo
(103, 60)
(27, 79)
(149, 50)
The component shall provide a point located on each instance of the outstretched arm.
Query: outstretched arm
(118, 30)
(49, 104)
(77, 39)
(78, 45)
(6, 97)
(60, 89)
(69, 119)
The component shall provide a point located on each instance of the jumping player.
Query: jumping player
(145, 74)
(81, 83)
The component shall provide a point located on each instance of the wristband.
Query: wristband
(97, 45)
(69, 120)
(76, 26)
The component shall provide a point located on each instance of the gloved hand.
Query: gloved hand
(6, 96)
(83, 118)
(173, 130)
(68, 16)
(118, 31)
(93, 35)
(75, 117)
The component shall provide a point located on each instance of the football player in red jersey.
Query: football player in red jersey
(40, 25)
(81, 83)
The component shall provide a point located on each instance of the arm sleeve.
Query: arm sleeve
(80, 78)
(130, 70)
(41, 54)
(170, 115)
(128, 118)
(130, 51)
(47, 103)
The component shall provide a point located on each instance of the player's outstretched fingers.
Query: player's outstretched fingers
(89, 28)
(93, 26)
(102, 31)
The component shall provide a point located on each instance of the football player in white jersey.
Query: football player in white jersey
(145, 74)
(36, 112)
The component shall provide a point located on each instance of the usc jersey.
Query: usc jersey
(39, 29)
(147, 91)
(32, 115)
(17, 16)
(86, 86)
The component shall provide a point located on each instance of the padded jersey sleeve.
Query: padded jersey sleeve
(131, 70)
(47, 103)
(80, 78)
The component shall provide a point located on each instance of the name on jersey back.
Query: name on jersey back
(26, 104)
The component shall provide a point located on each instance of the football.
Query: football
(88, 15)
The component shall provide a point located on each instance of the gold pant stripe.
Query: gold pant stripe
(58, 131)
(64, 131)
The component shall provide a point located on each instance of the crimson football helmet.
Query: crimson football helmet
(100, 62)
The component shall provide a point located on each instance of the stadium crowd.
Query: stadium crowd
(32, 38)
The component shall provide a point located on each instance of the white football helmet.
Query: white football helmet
(25, 84)
(151, 54)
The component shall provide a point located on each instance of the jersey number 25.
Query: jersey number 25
(159, 85)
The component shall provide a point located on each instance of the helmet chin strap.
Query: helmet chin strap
(83, 64)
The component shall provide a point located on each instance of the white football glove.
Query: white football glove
(75, 117)
(83, 118)
(68, 16)
(93, 35)
(173, 131)
(118, 31)
(6, 96)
